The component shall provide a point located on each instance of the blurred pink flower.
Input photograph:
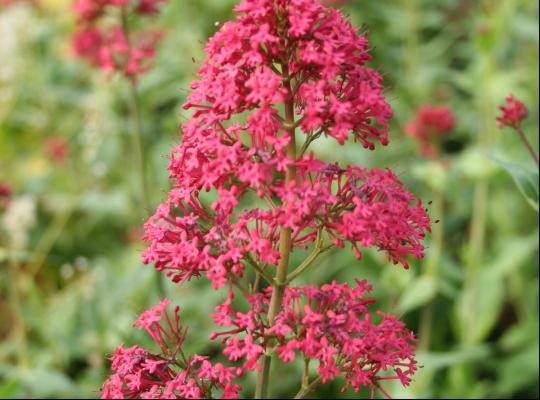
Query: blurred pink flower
(57, 148)
(5, 194)
(430, 123)
(114, 47)
(336, 95)
(513, 113)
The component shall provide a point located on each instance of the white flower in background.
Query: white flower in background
(100, 122)
(17, 23)
(18, 219)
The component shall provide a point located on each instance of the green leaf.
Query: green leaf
(520, 335)
(439, 360)
(478, 308)
(9, 389)
(513, 254)
(432, 173)
(526, 180)
(518, 371)
(47, 382)
(420, 292)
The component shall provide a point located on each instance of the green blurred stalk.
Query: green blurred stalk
(49, 238)
(432, 269)
(18, 329)
(414, 84)
(525, 141)
(137, 144)
(477, 231)
(136, 133)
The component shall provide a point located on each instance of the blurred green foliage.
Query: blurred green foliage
(69, 294)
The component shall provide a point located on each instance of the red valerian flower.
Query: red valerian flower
(5, 194)
(430, 123)
(138, 373)
(332, 325)
(247, 190)
(57, 148)
(114, 47)
(297, 51)
(513, 113)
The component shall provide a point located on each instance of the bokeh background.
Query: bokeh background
(71, 282)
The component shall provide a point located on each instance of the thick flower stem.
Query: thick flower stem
(304, 391)
(280, 279)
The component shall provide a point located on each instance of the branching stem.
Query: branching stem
(280, 279)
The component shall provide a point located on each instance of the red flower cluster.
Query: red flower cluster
(430, 123)
(332, 325)
(364, 208)
(138, 373)
(57, 148)
(5, 194)
(513, 113)
(333, 2)
(244, 194)
(5, 3)
(315, 61)
(114, 48)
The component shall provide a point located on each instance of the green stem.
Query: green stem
(307, 390)
(309, 260)
(527, 145)
(305, 375)
(259, 270)
(50, 236)
(477, 234)
(280, 279)
(135, 115)
(137, 144)
(432, 269)
(19, 327)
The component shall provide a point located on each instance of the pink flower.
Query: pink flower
(148, 6)
(430, 123)
(57, 148)
(5, 194)
(512, 114)
(335, 94)
(114, 47)
(335, 328)
(138, 373)
(247, 190)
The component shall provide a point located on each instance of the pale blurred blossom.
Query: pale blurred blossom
(16, 23)
(18, 220)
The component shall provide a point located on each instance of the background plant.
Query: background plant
(468, 55)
